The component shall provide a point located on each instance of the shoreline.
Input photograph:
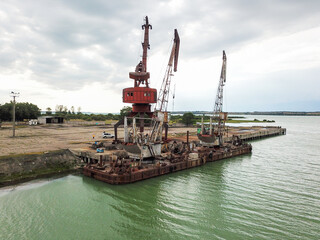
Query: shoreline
(53, 175)
(20, 168)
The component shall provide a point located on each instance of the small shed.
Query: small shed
(50, 119)
(33, 122)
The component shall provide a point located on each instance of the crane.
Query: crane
(218, 115)
(162, 103)
(141, 95)
(142, 145)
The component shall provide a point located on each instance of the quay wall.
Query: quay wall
(260, 133)
(25, 167)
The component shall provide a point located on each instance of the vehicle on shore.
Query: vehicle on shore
(107, 135)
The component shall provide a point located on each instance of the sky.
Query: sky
(80, 53)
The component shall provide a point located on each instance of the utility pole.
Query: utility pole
(14, 95)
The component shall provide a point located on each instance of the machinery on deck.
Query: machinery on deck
(214, 135)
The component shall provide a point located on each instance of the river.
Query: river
(274, 193)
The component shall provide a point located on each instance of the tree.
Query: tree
(23, 111)
(6, 112)
(110, 116)
(187, 118)
(65, 109)
(125, 111)
(49, 111)
(72, 109)
(79, 110)
(59, 108)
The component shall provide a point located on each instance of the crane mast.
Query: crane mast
(145, 46)
(219, 97)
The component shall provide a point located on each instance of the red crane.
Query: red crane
(141, 95)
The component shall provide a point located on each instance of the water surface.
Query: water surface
(271, 194)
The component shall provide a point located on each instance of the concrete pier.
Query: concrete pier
(254, 132)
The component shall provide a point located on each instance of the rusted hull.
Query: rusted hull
(203, 157)
(139, 175)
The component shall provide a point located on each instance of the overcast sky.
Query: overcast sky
(79, 53)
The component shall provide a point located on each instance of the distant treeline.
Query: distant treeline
(280, 113)
(27, 111)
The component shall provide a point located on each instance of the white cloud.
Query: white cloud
(79, 53)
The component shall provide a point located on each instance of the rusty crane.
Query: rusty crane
(214, 136)
(162, 103)
(142, 144)
(141, 95)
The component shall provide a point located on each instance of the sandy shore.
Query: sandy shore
(33, 139)
(42, 138)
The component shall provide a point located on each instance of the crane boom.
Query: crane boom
(219, 97)
(162, 103)
(220, 116)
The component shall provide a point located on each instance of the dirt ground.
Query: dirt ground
(42, 138)
(50, 137)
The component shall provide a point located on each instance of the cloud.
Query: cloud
(69, 45)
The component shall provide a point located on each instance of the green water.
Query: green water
(272, 194)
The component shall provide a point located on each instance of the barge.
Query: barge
(117, 170)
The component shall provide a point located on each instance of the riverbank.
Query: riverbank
(25, 167)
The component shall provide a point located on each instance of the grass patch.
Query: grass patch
(31, 153)
(12, 155)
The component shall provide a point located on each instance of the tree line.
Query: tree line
(68, 114)
(26, 111)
